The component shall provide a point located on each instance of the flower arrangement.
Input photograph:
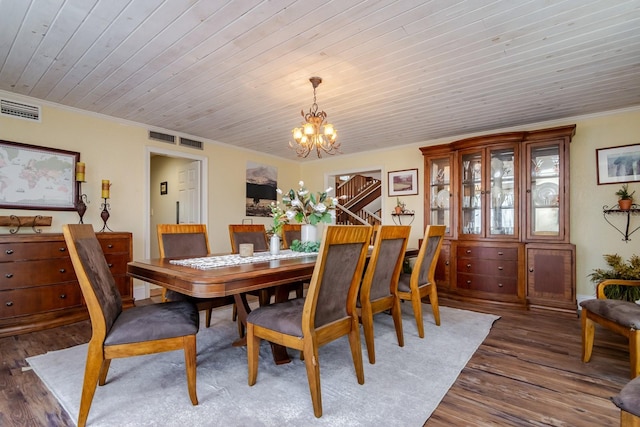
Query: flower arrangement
(279, 218)
(306, 207)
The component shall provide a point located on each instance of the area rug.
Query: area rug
(403, 388)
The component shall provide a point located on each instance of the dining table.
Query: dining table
(229, 275)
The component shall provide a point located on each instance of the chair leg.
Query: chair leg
(634, 353)
(433, 300)
(367, 325)
(356, 349)
(91, 374)
(191, 363)
(104, 370)
(253, 351)
(313, 375)
(627, 419)
(416, 303)
(588, 332)
(396, 314)
(207, 318)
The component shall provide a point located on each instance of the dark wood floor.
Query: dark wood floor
(527, 372)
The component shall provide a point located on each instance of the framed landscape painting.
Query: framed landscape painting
(33, 177)
(403, 183)
(618, 164)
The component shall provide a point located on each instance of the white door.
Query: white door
(188, 210)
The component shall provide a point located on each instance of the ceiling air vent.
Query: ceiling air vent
(19, 110)
(191, 143)
(163, 137)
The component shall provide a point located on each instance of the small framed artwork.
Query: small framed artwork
(403, 183)
(163, 188)
(618, 164)
(33, 177)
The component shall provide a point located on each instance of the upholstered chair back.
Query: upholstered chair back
(255, 234)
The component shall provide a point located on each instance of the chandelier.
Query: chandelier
(309, 136)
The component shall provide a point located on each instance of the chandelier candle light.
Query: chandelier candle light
(309, 136)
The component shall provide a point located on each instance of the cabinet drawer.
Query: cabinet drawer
(117, 263)
(492, 267)
(123, 283)
(111, 246)
(496, 285)
(23, 274)
(487, 252)
(19, 251)
(20, 302)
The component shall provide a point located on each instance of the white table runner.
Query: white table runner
(207, 263)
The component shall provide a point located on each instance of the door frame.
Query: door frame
(204, 173)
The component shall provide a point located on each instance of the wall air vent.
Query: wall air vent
(162, 137)
(19, 110)
(191, 143)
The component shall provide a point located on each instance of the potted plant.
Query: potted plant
(619, 269)
(399, 206)
(625, 199)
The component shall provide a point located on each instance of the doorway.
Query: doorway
(161, 207)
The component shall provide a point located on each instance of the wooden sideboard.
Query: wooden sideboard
(38, 285)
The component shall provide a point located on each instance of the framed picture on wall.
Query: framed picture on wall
(618, 164)
(33, 177)
(403, 182)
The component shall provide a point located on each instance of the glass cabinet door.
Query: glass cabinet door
(502, 195)
(545, 200)
(439, 170)
(471, 178)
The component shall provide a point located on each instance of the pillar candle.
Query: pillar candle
(105, 188)
(80, 171)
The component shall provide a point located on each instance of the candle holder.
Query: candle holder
(105, 215)
(81, 206)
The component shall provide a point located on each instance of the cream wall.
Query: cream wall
(118, 151)
(590, 233)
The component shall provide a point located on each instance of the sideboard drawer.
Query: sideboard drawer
(20, 251)
(484, 252)
(25, 274)
(19, 302)
(496, 285)
(488, 267)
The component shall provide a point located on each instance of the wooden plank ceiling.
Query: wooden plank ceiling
(395, 72)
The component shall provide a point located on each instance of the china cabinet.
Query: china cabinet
(504, 199)
(39, 288)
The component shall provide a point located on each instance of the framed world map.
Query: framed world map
(33, 177)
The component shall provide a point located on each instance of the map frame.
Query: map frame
(36, 198)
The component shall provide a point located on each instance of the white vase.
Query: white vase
(308, 233)
(274, 245)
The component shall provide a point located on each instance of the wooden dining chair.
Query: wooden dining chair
(421, 282)
(116, 333)
(325, 314)
(255, 234)
(187, 241)
(379, 288)
(290, 232)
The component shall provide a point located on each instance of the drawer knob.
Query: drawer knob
(62, 270)
(500, 285)
(62, 249)
(63, 296)
(110, 265)
(9, 303)
(531, 270)
(110, 246)
(468, 282)
(468, 265)
(468, 251)
(500, 253)
(9, 251)
(500, 268)
(8, 275)
(446, 263)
